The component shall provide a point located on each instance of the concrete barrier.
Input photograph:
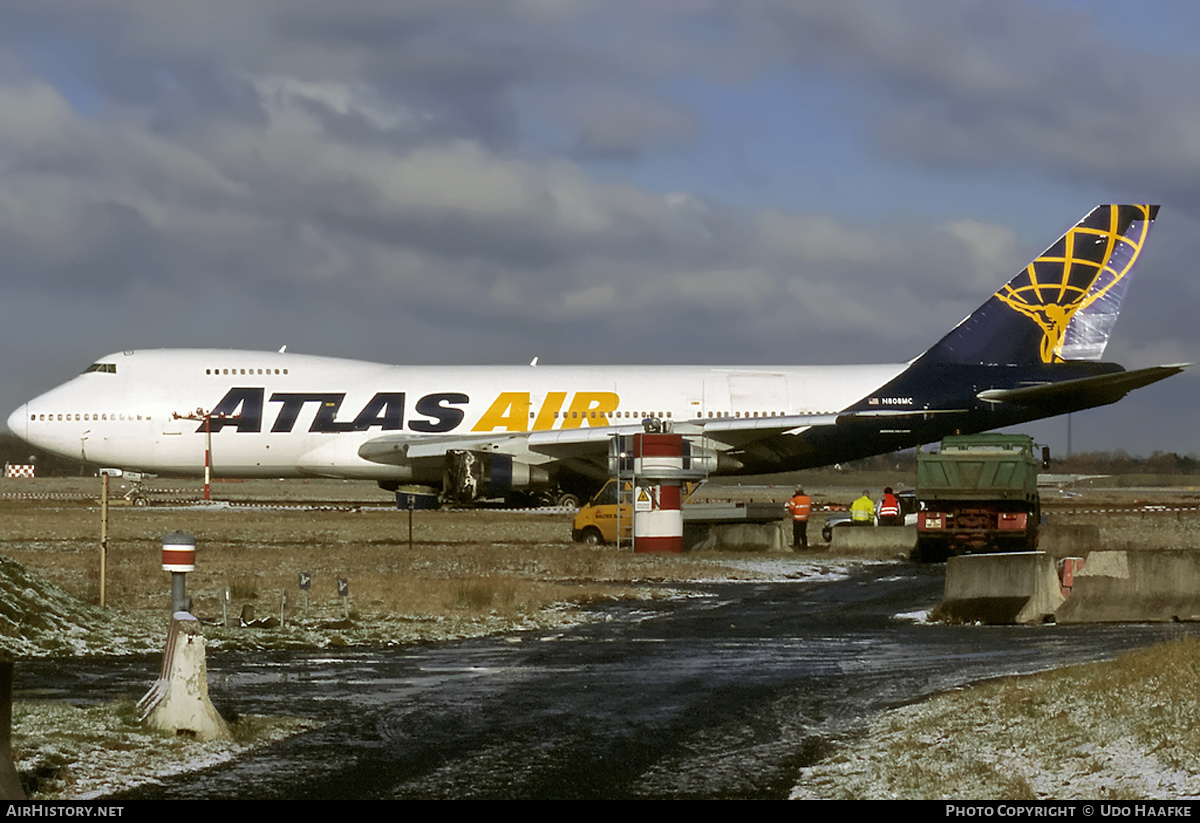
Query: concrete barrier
(178, 701)
(1135, 587)
(1000, 588)
(874, 541)
(745, 537)
(1068, 540)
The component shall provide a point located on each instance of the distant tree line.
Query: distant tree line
(1120, 462)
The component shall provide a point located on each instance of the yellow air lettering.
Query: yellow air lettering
(603, 403)
(549, 411)
(510, 412)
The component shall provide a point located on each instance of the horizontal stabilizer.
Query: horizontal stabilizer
(1086, 391)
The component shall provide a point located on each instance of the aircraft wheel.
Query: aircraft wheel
(568, 500)
(140, 501)
(542, 497)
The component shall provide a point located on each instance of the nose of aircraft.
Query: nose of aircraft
(18, 421)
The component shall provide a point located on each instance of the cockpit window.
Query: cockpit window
(107, 368)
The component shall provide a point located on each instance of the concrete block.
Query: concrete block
(178, 701)
(739, 537)
(1000, 588)
(873, 541)
(1068, 540)
(1135, 587)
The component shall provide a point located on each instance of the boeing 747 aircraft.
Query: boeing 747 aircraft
(1033, 350)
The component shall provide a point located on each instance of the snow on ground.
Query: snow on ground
(71, 752)
(1119, 730)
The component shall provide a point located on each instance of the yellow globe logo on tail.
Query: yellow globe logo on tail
(1073, 290)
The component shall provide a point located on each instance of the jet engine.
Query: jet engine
(474, 475)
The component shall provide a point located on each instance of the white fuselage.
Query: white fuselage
(300, 415)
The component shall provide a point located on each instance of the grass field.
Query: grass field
(465, 572)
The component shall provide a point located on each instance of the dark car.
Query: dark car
(908, 508)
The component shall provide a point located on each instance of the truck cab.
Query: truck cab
(977, 494)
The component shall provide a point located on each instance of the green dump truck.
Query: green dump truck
(978, 494)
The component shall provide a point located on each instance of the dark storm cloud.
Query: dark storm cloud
(447, 66)
(978, 85)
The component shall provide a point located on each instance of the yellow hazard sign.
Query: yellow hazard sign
(643, 500)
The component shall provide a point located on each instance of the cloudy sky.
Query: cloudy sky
(587, 181)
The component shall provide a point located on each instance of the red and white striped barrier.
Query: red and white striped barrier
(19, 470)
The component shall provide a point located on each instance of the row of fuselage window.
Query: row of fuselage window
(630, 415)
(532, 415)
(36, 418)
(111, 368)
(644, 415)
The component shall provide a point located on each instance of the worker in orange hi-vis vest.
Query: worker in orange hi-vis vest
(889, 509)
(799, 506)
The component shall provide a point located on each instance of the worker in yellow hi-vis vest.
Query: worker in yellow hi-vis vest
(862, 511)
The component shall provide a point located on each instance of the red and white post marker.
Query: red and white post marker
(657, 498)
(179, 558)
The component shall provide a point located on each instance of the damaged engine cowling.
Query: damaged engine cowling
(473, 475)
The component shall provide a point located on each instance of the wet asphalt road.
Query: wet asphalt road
(721, 695)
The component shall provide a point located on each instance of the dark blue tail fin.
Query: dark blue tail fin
(1063, 305)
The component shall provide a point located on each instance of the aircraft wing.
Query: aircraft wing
(583, 450)
(740, 432)
(561, 443)
(1090, 391)
(731, 432)
(397, 449)
(591, 443)
(767, 425)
